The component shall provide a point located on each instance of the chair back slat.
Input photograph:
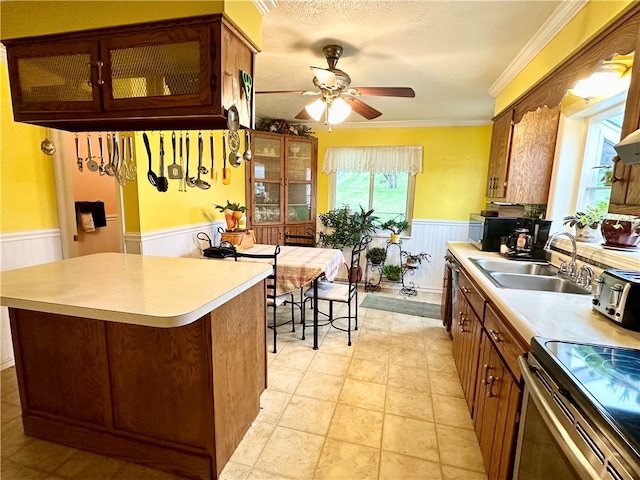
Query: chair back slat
(355, 272)
(271, 279)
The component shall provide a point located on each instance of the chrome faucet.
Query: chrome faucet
(585, 274)
(571, 268)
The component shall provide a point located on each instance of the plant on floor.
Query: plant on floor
(392, 272)
(377, 255)
(344, 227)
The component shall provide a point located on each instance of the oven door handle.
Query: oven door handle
(454, 267)
(562, 437)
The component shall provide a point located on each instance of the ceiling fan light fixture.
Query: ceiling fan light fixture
(316, 109)
(338, 111)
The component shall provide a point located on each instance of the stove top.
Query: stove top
(604, 381)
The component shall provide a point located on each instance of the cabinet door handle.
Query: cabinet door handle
(100, 81)
(492, 380)
(495, 335)
(464, 289)
(486, 369)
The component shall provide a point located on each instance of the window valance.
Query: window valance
(407, 158)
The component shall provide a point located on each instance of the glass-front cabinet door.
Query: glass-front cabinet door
(267, 181)
(299, 155)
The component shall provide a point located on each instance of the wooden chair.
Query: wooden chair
(273, 300)
(343, 293)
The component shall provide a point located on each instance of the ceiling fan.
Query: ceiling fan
(337, 97)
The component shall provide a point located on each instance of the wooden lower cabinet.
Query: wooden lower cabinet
(466, 339)
(496, 410)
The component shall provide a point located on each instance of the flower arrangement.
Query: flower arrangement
(281, 126)
(233, 212)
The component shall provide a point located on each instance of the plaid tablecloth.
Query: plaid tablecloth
(298, 266)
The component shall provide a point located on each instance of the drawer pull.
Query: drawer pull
(486, 369)
(492, 380)
(464, 289)
(495, 335)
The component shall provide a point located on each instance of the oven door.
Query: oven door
(545, 448)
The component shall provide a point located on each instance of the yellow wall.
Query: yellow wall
(586, 24)
(454, 167)
(27, 190)
(29, 18)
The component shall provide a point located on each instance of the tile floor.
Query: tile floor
(388, 407)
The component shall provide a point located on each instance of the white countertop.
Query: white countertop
(137, 289)
(560, 316)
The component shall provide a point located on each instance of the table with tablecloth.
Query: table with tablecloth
(300, 266)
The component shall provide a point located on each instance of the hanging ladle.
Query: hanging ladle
(247, 148)
(201, 183)
(190, 181)
(162, 182)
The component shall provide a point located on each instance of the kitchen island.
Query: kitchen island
(154, 360)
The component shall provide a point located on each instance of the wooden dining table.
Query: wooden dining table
(300, 266)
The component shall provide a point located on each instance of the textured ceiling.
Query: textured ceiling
(449, 52)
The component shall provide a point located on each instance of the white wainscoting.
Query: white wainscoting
(429, 236)
(23, 249)
(173, 242)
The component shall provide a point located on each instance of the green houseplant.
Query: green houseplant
(396, 226)
(377, 255)
(345, 228)
(412, 260)
(392, 272)
(587, 221)
(622, 231)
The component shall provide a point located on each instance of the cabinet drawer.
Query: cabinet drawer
(509, 344)
(472, 293)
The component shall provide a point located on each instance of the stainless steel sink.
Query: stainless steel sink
(512, 266)
(536, 282)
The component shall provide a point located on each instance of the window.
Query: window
(602, 134)
(387, 193)
(378, 178)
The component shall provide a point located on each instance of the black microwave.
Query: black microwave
(485, 232)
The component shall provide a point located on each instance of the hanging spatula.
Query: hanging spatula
(226, 172)
(174, 170)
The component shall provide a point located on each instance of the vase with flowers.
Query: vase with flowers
(233, 213)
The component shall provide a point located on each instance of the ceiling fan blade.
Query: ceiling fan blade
(361, 108)
(280, 91)
(326, 77)
(385, 92)
(303, 115)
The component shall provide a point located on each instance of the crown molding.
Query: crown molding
(549, 29)
(265, 6)
(3, 53)
(403, 124)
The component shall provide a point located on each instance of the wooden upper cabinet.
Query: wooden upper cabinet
(182, 73)
(532, 151)
(499, 155)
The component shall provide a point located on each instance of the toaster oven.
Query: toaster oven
(617, 296)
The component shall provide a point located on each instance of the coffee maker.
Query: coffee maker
(528, 240)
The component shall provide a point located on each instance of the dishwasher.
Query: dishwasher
(450, 295)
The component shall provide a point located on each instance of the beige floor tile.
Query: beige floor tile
(459, 448)
(438, 345)
(356, 425)
(322, 386)
(409, 436)
(331, 364)
(13, 437)
(454, 473)
(445, 383)
(294, 356)
(9, 386)
(452, 411)
(363, 394)
(234, 471)
(284, 379)
(257, 474)
(409, 377)
(308, 414)
(408, 357)
(347, 461)
(408, 327)
(252, 443)
(42, 455)
(409, 403)
(16, 471)
(372, 350)
(83, 465)
(9, 412)
(441, 363)
(338, 346)
(272, 404)
(291, 453)
(403, 467)
(368, 371)
(132, 471)
(374, 321)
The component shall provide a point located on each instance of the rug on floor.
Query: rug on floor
(399, 305)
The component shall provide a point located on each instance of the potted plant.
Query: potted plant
(621, 231)
(345, 228)
(396, 227)
(392, 272)
(588, 221)
(233, 212)
(414, 260)
(377, 255)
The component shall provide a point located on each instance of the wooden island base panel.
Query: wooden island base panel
(174, 399)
